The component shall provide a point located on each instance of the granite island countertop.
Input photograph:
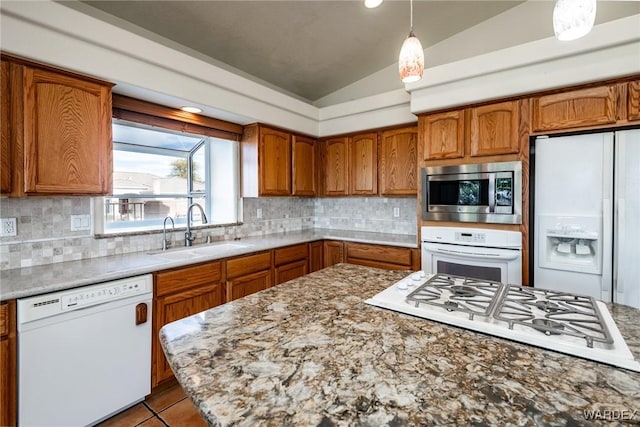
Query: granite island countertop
(311, 352)
(28, 281)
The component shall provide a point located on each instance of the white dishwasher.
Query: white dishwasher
(84, 354)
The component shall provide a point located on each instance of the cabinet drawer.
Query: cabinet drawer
(585, 107)
(384, 254)
(248, 264)
(168, 282)
(290, 253)
(4, 319)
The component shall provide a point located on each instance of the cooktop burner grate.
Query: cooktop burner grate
(553, 313)
(454, 293)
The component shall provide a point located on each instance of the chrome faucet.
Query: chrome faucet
(188, 238)
(165, 242)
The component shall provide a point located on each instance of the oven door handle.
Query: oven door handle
(511, 255)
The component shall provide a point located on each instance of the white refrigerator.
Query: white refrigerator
(586, 212)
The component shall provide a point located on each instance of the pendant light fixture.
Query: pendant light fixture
(371, 4)
(573, 19)
(411, 60)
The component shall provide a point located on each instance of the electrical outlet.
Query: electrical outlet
(9, 227)
(396, 212)
(259, 213)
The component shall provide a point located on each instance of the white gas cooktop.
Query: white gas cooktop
(567, 323)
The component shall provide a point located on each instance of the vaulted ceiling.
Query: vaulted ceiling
(308, 49)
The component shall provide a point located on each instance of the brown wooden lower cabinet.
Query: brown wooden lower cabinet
(316, 256)
(242, 286)
(8, 355)
(178, 294)
(380, 256)
(293, 270)
(248, 274)
(333, 252)
(290, 262)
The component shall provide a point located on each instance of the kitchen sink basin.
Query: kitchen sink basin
(200, 251)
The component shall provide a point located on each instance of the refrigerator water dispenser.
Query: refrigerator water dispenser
(570, 243)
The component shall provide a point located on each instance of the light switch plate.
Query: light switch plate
(80, 222)
(9, 227)
(396, 212)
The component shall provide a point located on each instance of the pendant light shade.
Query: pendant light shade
(411, 59)
(573, 19)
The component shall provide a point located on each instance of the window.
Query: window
(159, 172)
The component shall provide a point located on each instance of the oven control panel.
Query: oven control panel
(470, 237)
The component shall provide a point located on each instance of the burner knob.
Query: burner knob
(403, 285)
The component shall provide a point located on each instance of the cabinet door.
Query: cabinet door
(8, 353)
(336, 167)
(304, 166)
(363, 164)
(633, 100)
(333, 252)
(246, 285)
(5, 143)
(578, 108)
(275, 163)
(494, 129)
(175, 307)
(290, 271)
(399, 162)
(443, 135)
(67, 134)
(316, 258)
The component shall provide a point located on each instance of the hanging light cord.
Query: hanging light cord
(411, 18)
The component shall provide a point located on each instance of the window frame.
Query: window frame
(135, 111)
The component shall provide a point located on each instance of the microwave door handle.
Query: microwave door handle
(506, 256)
(492, 192)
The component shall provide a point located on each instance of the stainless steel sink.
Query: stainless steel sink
(201, 251)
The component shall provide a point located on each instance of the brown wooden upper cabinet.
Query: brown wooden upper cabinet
(577, 108)
(493, 129)
(336, 167)
(59, 132)
(304, 166)
(266, 162)
(398, 162)
(350, 165)
(5, 118)
(443, 135)
(363, 164)
(633, 100)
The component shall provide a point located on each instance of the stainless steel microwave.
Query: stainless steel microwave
(483, 192)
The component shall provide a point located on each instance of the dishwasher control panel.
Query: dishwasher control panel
(42, 306)
(101, 293)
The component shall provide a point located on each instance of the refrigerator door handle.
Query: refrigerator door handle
(607, 248)
(618, 285)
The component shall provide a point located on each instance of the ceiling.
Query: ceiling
(310, 49)
(306, 48)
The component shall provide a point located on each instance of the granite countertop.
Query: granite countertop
(311, 352)
(24, 282)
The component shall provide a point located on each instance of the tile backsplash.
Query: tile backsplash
(44, 233)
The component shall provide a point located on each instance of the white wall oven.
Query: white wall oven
(485, 192)
(476, 253)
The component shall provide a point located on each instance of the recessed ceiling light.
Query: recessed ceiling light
(188, 109)
(372, 3)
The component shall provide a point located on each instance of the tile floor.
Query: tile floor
(168, 408)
